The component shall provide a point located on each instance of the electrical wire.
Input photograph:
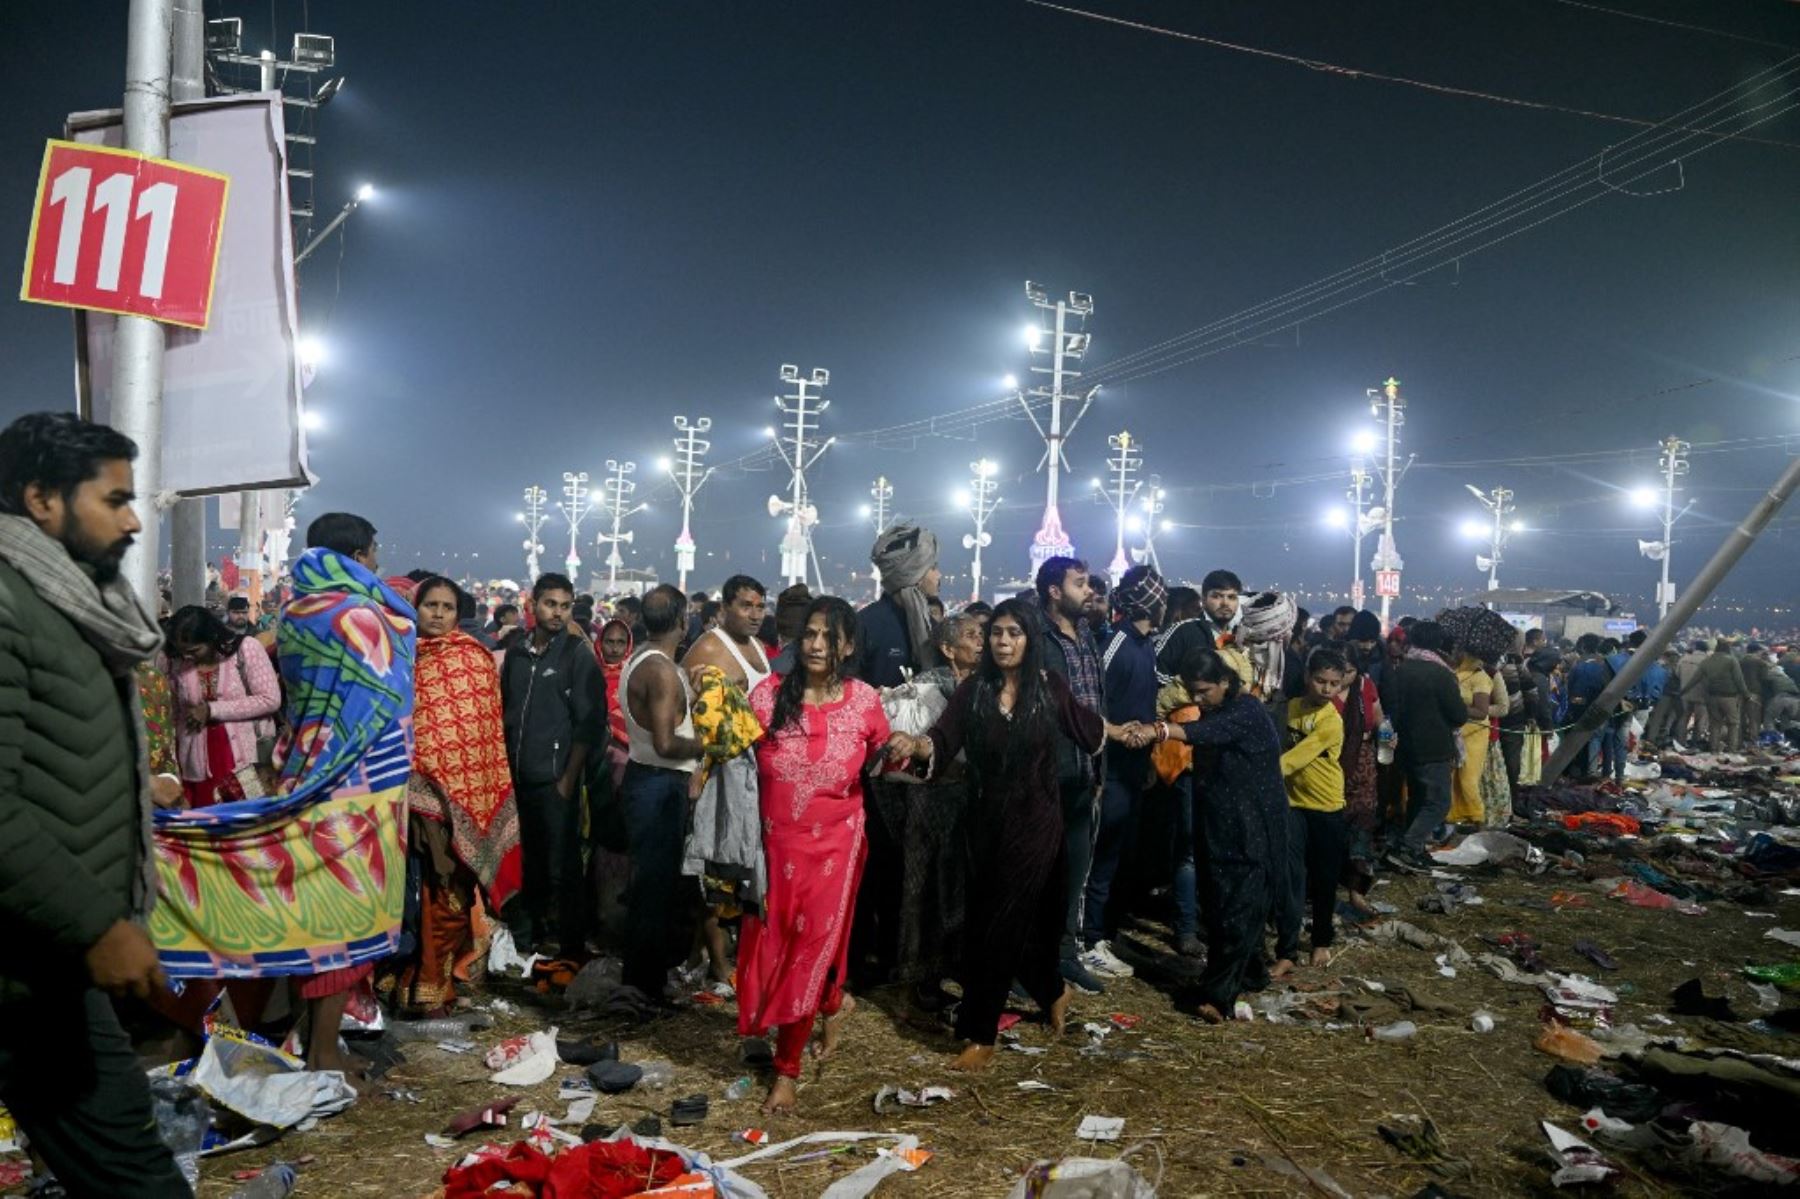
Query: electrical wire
(1330, 68)
(1634, 16)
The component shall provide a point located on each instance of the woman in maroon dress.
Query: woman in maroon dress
(1007, 719)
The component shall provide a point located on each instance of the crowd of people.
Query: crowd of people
(804, 799)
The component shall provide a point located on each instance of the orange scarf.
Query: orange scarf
(459, 735)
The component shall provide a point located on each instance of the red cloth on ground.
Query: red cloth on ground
(1616, 823)
(596, 1170)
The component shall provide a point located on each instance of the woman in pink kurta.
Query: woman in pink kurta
(822, 729)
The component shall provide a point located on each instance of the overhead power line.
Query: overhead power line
(1638, 16)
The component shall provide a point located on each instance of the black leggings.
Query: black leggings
(1316, 850)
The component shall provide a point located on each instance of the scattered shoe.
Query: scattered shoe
(1190, 946)
(1101, 959)
(1078, 976)
(1407, 863)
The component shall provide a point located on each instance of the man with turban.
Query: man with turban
(894, 632)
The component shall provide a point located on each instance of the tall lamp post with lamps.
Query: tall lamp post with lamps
(982, 499)
(533, 518)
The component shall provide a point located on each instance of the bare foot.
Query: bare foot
(834, 1029)
(1361, 904)
(783, 1098)
(1321, 957)
(974, 1059)
(1210, 1014)
(1059, 1011)
(1282, 968)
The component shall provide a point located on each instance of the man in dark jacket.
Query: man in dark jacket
(76, 880)
(555, 705)
(1062, 589)
(1425, 704)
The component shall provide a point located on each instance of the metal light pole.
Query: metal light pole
(1385, 403)
(882, 493)
(1499, 504)
(800, 425)
(690, 447)
(533, 519)
(1152, 504)
(1674, 464)
(615, 500)
(1066, 345)
(187, 517)
(1359, 527)
(1124, 462)
(365, 192)
(574, 508)
(137, 385)
(982, 502)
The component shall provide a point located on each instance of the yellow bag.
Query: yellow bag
(1531, 759)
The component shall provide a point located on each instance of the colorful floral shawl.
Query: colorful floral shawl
(312, 878)
(460, 749)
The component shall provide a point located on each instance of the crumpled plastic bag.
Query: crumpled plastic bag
(1490, 845)
(1082, 1178)
(182, 1118)
(266, 1086)
(595, 983)
(913, 707)
(524, 1061)
(503, 955)
(1639, 896)
(1559, 1040)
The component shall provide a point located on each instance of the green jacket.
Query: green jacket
(1721, 677)
(70, 824)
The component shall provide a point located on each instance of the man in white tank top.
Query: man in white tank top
(662, 755)
(732, 645)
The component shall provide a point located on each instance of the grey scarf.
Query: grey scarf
(112, 620)
(905, 554)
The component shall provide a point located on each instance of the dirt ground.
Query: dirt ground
(1224, 1108)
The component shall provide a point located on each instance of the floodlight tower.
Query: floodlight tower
(801, 450)
(574, 508)
(1152, 505)
(882, 494)
(1386, 405)
(1060, 334)
(982, 502)
(533, 518)
(1123, 464)
(615, 500)
(690, 447)
(1674, 464)
(1499, 504)
(1361, 524)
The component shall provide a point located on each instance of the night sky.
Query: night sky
(595, 216)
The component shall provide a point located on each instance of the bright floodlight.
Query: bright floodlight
(1167, 525)
(1011, 382)
(1033, 335)
(1474, 528)
(1363, 441)
(365, 193)
(1645, 497)
(1517, 526)
(311, 421)
(986, 467)
(960, 499)
(1134, 523)
(769, 432)
(865, 510)
(1337, 518)
(311, 351)
(663, 463)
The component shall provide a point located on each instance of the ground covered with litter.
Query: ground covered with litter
(1611, 998)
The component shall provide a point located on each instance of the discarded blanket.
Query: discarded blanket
(313, 878)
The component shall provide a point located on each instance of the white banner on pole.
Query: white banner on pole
(231, 392)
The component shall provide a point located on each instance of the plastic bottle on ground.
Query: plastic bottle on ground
(1400, 1030)
(743, 1088)
(276, 1182)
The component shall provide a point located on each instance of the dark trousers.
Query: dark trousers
(1079, 816)
(554, 894)
(1512, 753)
(994, 957)
(1234, 907)
(1112, 844)
(70, 1079)
(1665, 719)
(1428, 801)
(656, 809)
(1317, 843)
(1185, 881)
